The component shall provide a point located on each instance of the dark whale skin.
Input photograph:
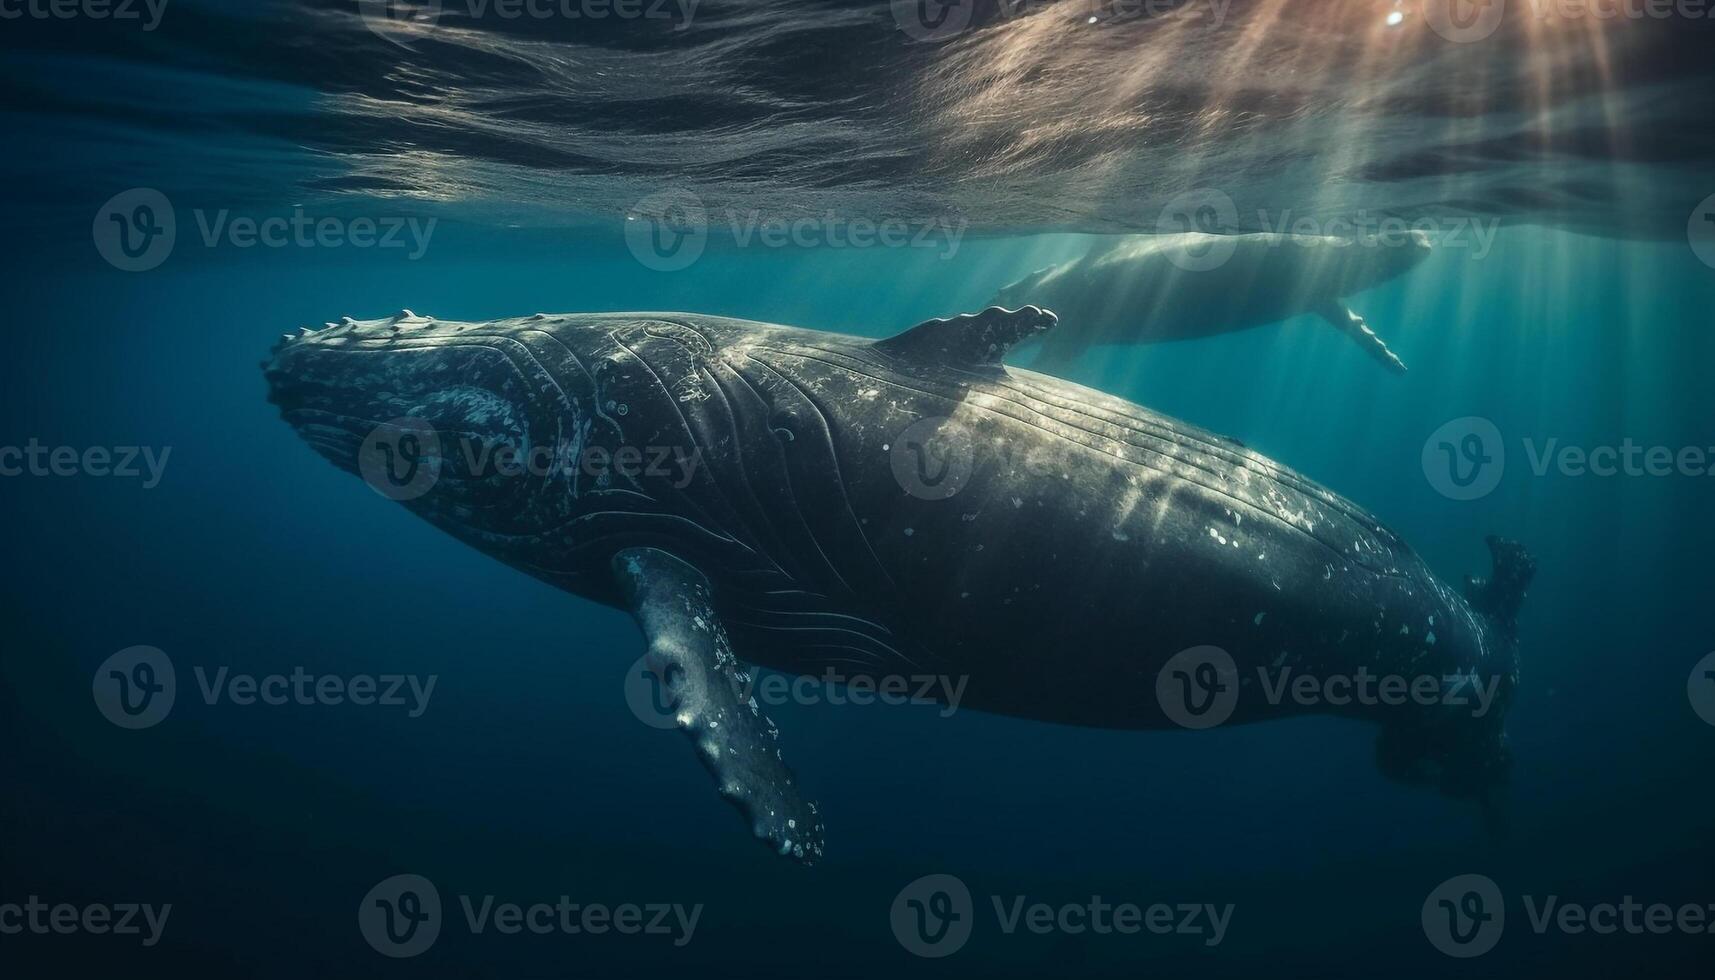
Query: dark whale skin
(1088, 542)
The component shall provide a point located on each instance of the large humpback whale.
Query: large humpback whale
(902, 507)
(1143, 289)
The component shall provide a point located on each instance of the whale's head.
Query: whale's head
(474, 426)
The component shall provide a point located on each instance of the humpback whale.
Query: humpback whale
(1146, 289)
(899, 507)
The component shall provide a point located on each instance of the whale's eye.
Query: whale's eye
(784, 424)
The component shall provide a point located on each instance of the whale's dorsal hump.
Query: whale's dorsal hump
(972, 340)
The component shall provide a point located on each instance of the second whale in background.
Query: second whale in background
(1146, 289)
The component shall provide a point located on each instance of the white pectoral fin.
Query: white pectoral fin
(1353, 326)
(707, 689)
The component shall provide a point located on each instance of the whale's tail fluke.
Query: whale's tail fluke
(1465, 755)
(1501, 594)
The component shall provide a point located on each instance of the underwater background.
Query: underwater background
(1584, 321)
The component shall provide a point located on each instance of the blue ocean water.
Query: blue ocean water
(527, 777)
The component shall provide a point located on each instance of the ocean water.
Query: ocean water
(548, 153)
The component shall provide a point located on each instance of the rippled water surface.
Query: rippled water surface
(184, 186)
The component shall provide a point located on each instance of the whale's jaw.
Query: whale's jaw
(427, 413)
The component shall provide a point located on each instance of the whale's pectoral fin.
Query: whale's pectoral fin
(1353, 326)
(707, 691)
(974, 341)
